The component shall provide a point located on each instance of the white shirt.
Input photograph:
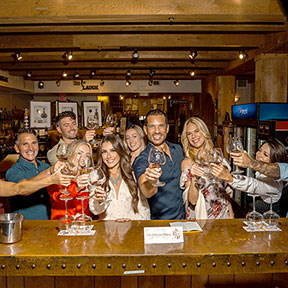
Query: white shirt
(121, 207)
(259, 185)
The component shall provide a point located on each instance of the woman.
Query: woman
(125, 199)
(77, 150)
(134, 141)
(203, 201)
(271, 151)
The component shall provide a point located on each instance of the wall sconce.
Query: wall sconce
(176, 83)
(236, 99)
(40, 84)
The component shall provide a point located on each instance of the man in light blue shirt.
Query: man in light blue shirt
(35, 206)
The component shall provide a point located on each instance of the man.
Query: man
(274, 170)
(165, 202)
(35, 206)
(67, 127)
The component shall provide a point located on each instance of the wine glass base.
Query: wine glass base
(159, 184)
(65, 223)
(253, 218)
(271, 218)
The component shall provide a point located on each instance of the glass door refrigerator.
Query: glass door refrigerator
(254, 123)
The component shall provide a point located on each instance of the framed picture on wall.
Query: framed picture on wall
(68, 106)
(40, 114)
(92, 114)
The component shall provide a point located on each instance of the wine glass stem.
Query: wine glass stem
(254, 208)
(82, 200)
(271, 205)
(66, 208)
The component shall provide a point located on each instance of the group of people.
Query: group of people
(130, 178)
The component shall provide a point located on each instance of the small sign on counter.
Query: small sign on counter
(161, 235)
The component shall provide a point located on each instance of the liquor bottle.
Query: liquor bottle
(26, 118)
(44, 115)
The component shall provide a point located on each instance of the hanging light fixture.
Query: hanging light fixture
(193, 54)
(17, 56)
(242, 55)
(176, 83)
(40, 84)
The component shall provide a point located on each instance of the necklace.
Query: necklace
(116, 180)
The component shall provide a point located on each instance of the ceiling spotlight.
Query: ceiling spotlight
(67, 56)
(40, 84)
(102, 82)
(242, 55)
(76, 75)
(58, 83)
(92, 73)
(17, 56)
(64, 74)
(127, 83)
(121, 97)
(150, 82)
(135, 56)
(29, 74)
(152, 73)
(176, 83)
(192, 73)
(128, 74)
(193, 54)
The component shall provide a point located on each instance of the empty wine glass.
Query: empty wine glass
(65, 222)
(202, 159)
(157, 158)
(271, 218)
(61, 152)
(93, 122)
(234, 145)
(111, 120)
(254, 217)
(215, 156)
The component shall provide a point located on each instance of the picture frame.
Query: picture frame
(68, 106)
(91, 108)
(40, 114)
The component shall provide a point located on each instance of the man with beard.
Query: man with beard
(67, 127)
(165, 202)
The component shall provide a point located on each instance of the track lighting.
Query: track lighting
(135, 56)
(17, 56)
(40, 84)
(127, 83)
(92, 73)
(58, 83)
(242, 55)
(192, 73)
(193, 54)
(150, 82)
(29, 74)
(151, 73)
(67, 56)
(176, 83)
(64, 74)
(76, 75)
(102, 82)
(128, 74)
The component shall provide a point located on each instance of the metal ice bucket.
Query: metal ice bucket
(10, 227)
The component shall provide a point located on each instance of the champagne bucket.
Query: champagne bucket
(10, 227)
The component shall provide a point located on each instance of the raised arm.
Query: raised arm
(244, 160)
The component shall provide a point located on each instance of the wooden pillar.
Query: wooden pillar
(225, 93)
(271, 72)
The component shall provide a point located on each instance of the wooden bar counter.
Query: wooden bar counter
(116, 254)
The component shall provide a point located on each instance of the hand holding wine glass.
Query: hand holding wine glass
(157, 158)
(92, 123)
(61, 152)
(234, 145)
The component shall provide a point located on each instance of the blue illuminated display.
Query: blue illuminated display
(270, 111)
(244, 111)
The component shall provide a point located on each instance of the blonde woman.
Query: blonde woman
(203, 201)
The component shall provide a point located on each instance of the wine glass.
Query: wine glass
(203, 159)
(157, 158)
(271, 218)
(234, 145)
(85, 166)
(215, 156)
(61, 152)
(92, 123)
(111, 120)
(253, 217)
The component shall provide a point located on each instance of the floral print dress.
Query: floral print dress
(216, 197)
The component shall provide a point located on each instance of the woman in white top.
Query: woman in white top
(270, 152)
(119, 197)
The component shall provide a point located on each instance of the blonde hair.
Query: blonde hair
(189, 150)
(139, 130)
(74, 146)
